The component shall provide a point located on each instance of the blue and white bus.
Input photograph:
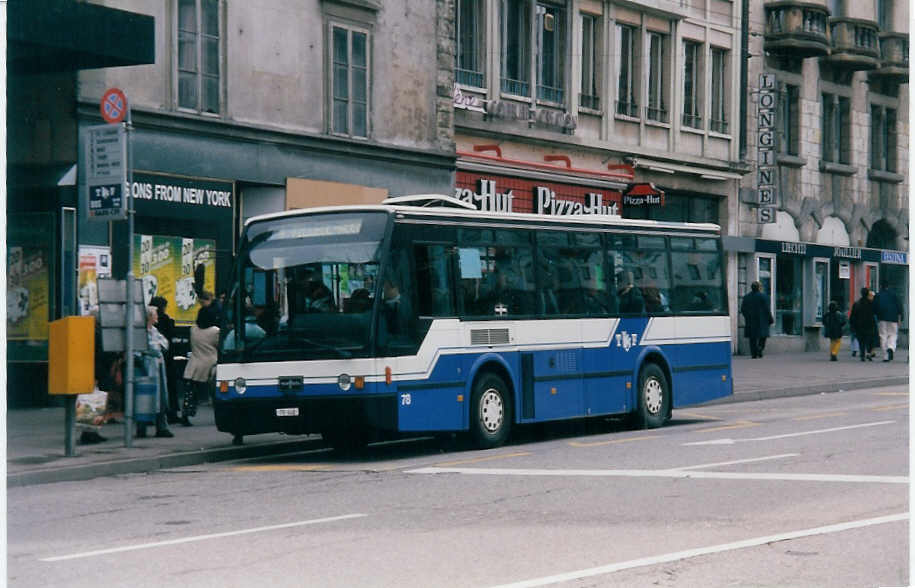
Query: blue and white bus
(423, 314)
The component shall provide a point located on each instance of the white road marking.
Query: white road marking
(200, 538)
(728, 441)
(726, 463)
(848, 478)
(712, 549)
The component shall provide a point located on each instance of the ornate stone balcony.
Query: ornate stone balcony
(894, 57)
(855, 44)
(797, 29)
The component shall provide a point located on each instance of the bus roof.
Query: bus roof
(421, 206)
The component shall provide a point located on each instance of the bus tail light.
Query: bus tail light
(359, 382)
(387, 375)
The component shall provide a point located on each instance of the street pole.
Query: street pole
(128, 342)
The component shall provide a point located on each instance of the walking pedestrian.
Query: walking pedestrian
(862, 321)
(757, 317)
(888, 310)
(832, 329)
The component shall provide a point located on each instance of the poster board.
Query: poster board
(177, 269)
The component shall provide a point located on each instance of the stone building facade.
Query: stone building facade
(833, 77)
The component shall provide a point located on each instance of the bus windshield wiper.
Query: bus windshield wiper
(311, 342)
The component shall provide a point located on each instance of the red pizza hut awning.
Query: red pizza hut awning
(643, 194)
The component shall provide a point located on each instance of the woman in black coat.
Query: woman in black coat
(833, 323)
(863, 323)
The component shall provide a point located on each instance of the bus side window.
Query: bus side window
(433, 280)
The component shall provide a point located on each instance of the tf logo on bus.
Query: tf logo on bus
(626, 340)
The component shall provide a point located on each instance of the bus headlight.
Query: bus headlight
(344, 381)
(240, 385)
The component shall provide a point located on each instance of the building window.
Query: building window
(788, 119)
(678, 207)
(627, 70)
(198, 55)
(692, 84)
(836, 129)
(718, 119)
(350, 83)
(590, 64)
(516, 19)
(550, 52)
(883, 138)
(884, 14)
(657, 77)
(469, 51)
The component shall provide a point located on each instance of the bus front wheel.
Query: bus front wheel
(490, 412)
(654, 397)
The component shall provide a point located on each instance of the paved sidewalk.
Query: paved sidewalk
(35, 437)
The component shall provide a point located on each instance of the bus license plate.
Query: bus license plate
(281, 412)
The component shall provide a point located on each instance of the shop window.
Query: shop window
(590, 62)
(788, 119)
(349, 81)
(678, 207)
(883, 138)
(836, 129)
(718, 119)
(788, 289)
(198, 55)
(627, 68)
(692, 84)
(657, 77)
(470, 43)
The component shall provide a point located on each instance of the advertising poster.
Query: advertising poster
(94, 263)
(177, 269)
(27, 292)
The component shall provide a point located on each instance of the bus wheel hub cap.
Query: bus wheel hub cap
(654, 396)
(491, 410)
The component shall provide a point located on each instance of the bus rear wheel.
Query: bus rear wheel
(654, 397)
(490, 412)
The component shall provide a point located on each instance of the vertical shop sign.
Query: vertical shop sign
(765, 168)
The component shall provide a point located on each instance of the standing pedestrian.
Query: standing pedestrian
(166, 326)
(152, 363)
(889, 314)
(862, 321)
(197, 372)
(832, 329)
(757, 317)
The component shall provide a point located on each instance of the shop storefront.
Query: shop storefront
(801, 279)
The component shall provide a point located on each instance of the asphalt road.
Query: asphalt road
(807, 491)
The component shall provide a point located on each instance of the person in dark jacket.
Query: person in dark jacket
(757, 318)
(888, 310)
(832, 329)
(863, 322)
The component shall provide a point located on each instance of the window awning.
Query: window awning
(61, 35)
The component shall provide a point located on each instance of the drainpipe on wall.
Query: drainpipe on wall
(744, 59)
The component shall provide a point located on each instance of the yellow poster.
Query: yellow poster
(177, 269)
(27, 293)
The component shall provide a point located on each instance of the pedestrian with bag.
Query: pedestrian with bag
(757, 317)
(204, 342)
(888, 310)
(863, 322)
(166, 326)
(152, 362)
(833, 323)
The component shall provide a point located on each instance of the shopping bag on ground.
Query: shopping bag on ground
(90, 410)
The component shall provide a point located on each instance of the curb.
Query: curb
(188, 458)
(151, 464)
(829, 388)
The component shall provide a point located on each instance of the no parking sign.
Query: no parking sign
(113, 106)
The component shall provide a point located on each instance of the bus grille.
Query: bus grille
(489, 337)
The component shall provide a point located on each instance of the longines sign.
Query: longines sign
(765, 169)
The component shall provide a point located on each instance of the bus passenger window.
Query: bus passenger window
(433, 280)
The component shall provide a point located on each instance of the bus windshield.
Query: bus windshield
(309, 286)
